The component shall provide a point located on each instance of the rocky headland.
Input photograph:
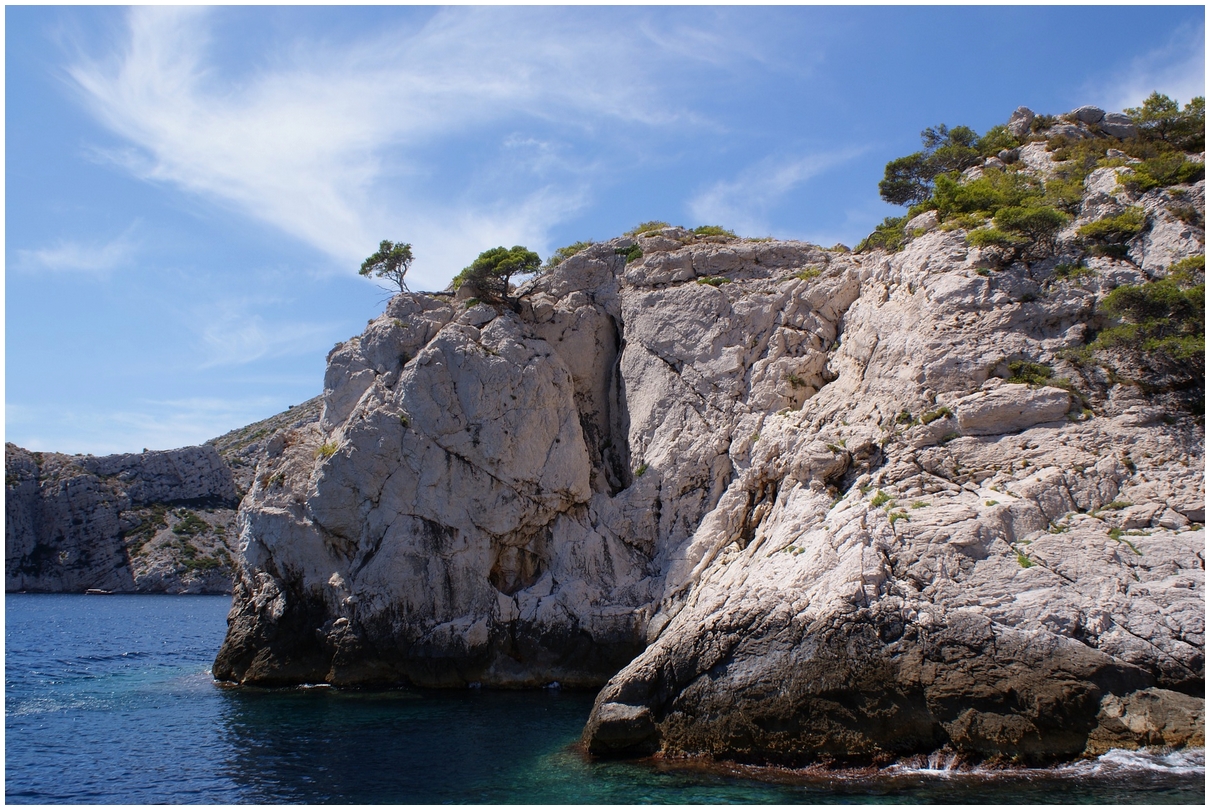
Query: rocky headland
(786, 503)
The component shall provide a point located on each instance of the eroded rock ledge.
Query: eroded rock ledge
(785, 503)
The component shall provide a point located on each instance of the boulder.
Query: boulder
(1148, 717)
(1118, 125)
(1019, 122)
(1087, 114)
(921, 222)
(1009, 408)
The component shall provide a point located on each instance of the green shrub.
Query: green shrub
(996, 189)
(564, 253)
(1187, 214)
(967, 221)
(642, 468)
(1042, 123)
(1066, 194)
(1115, 230)
(147, 528)
(390, 262)
(808, 273)
(994, 237)
(651, 226)
(326, 450)
(1161, 119)
(713, 230)
(1025, 372)
(888, 236)
(714, 281)
(1158, 317)
(190, 525)
(933, 416)
(630, 253)
(1071, 272)
(1037, 222)
(1189, 271)
(488, 276)
(996, 139)
(910, 179)
(1023, 561)
(879, 499)
(794, 380)
(1163, 171)
(193, 563)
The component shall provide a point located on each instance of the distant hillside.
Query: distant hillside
(155, 522)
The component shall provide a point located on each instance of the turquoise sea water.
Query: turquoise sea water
(109, 700)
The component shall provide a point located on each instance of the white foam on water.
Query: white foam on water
(1189, 761)
(1118, 761)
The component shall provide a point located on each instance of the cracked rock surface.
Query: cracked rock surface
(783, 502)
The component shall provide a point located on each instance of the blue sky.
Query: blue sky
(189, 193)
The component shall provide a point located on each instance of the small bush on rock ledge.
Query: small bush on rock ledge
(713, 230)
(644, 228)
(1108, 236)
(1023, 371)
(564, 253)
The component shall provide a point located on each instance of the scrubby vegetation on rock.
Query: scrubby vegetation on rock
(687, 495)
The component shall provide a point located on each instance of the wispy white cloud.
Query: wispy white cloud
(1178, 70)
(744, 202)
(78, 257)
(326, 144)
(233, 333)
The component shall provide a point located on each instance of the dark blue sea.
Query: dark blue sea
(108, 699)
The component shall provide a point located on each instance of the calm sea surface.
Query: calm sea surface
(109, 700)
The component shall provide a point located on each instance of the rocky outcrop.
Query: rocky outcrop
(804, 500)
(140, 522)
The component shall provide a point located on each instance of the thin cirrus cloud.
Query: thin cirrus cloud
(744, 202)
(1177, 70)
(234, 334)
(75, 257)
(330, 143)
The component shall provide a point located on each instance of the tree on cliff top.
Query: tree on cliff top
(1161, 118)
(910, 179)
(488, 276)
(390, 262)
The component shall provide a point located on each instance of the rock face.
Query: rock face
(797, 497)
(146, 522)
(159, 522)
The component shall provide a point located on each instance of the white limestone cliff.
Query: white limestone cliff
(784, 502)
